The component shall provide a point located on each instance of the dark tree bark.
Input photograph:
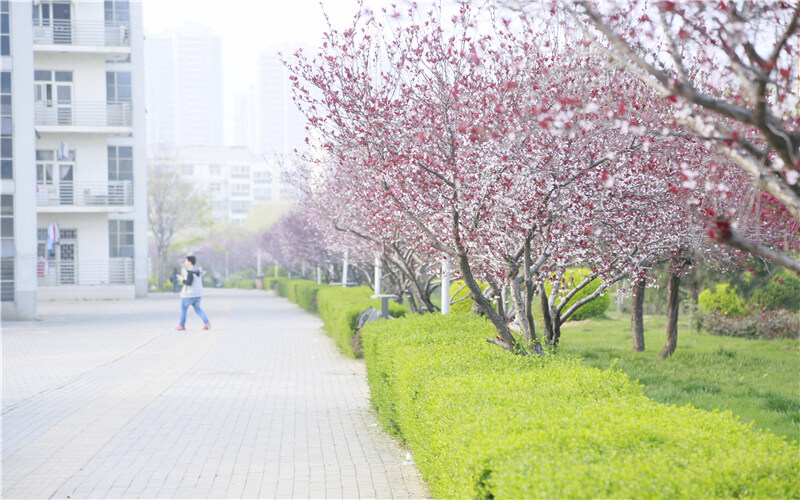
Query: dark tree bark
(637, 316)
(672, 316)
(546, 319)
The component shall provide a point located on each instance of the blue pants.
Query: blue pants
(194, 302)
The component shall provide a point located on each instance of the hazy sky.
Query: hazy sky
(247, 27)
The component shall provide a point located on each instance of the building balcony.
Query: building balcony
(82, 37)
(84, 117)
(70, 196)
(113, 271)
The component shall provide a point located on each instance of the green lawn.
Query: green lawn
(755, 379)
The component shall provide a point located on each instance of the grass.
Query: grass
(757, 380)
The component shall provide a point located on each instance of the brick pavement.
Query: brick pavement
(105, 400)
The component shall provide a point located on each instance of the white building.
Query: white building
(74, 198)
(184, 88)
(235, 179)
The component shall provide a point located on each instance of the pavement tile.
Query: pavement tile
(262, 406)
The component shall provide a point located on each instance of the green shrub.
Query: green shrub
(152, 286)
(759, 324)
(339, 309)
(782, 292)
(465, 306)
(243, 284)
(301, 292)
(723, 299)
(485, 424)
(591, 309)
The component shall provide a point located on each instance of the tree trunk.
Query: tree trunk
(546, 319)
(672, 316)
(637, 316)
(504, 336)
(412, 304)
(161, 269)
(556, 331)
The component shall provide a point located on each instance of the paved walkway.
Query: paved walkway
(103, 399)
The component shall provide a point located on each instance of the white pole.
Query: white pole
(378, 274)
(319, 276)
(446, 285)
(276, 268)
(303, 270)
(258, 262)
(344, 271)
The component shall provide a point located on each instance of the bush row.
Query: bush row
(338, 307)
(301, 292)
(758, 324)
(782, 292)
(485, 424)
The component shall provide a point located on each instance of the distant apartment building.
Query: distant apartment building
(234, 179)
(74, 199)
(184, 88)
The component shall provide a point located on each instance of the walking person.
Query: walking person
(191, 293)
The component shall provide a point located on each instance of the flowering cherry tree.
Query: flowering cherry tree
(297, 245)
(729, 68)
(511, 151)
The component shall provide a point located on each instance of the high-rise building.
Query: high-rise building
(281, 125)
(184, 88)
(245, 126)
(74, 180)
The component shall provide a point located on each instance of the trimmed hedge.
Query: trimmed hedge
(484, 424)
(339, 309)
(301, 292)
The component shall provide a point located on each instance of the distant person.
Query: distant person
(175, 279)
(191, 293)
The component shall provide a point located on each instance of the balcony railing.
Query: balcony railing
(85, 194)
(85, 114)
(88, 33)
(114, 271)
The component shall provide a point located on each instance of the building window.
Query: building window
(117, 12)
(240, 189)
(240, 171)
(187, 170)
(262, 193)
(6, 141)
(214, 170)
(118, 87)
(262, 176)
(120, 238)
(215, 187)
(41, 14)
(240, 207)
(120, 163)
(5, 31)
(7, 251)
